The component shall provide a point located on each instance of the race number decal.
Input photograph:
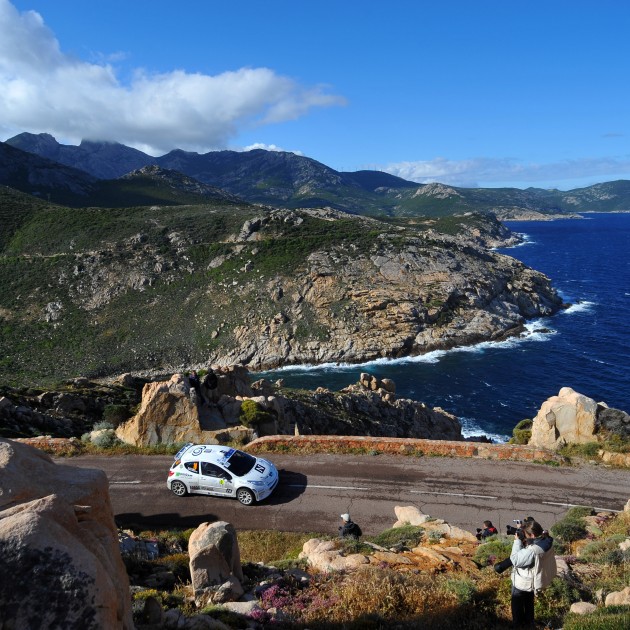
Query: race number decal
(259, 468)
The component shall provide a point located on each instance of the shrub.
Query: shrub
(572, 527)
(178, 564)
(522, 432)
(252, 414)
(407, 536)
(608, 618)
(553, 603)
(569, 531)
(115, 414)
(604, 551)
(106, 439)
(463, 589)
(579, 512)
(271, 546)
(102, 425)
(493, 551)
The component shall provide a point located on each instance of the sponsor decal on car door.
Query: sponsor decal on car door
(215, 480)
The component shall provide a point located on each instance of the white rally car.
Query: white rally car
(221, 471)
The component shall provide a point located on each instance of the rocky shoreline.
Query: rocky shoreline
(276, 288)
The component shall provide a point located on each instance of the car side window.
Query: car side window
(212, 470)
(192, 466)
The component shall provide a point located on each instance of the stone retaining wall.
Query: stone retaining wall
(58, 446)
(406, 446)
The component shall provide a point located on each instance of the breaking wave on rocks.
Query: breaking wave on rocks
(493, 385)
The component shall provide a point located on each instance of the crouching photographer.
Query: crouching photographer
(534, 566)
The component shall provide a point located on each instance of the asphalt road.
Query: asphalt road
(315, 489)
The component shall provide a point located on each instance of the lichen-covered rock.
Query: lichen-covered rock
(582, 608)
(323, 555)
(619, 598)
(569, 417)
(215, 563)
(60, 566)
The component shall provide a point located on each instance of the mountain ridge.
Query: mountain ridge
(288, 180)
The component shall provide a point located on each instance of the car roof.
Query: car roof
(210, 452)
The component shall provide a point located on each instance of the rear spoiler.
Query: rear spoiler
(182, 450)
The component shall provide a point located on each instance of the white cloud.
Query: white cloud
(269, 147)
(507, 172)
(45, 90)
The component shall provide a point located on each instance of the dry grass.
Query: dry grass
(271, 546)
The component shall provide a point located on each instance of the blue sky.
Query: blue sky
(467, 93)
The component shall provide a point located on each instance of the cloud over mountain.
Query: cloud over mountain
(47, 90)
(471, 171)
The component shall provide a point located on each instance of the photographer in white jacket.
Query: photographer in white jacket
(533, 568)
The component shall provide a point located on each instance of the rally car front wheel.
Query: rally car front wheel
(245, 496)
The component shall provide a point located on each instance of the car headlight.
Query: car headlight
(257, 483)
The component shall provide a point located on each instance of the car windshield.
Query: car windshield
(240, 463)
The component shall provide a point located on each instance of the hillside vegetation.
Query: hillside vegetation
(392, 593)
(98, 291)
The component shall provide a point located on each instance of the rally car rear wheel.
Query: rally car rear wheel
(178, 488)
(245, 496)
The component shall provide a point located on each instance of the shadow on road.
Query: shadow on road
(169, 520)
(290, 486)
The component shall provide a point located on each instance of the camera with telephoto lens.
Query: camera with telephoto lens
(511, 530)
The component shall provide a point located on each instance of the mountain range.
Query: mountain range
(109, 174)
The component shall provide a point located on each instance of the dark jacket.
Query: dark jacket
(486, 533)
(350, 530)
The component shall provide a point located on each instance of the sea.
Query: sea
(491, 386)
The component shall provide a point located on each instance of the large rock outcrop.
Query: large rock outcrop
(60, 565)
(215, 563)
(573, 418)
(171, 412)
(569, 417)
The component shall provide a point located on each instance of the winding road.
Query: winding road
(315, 489)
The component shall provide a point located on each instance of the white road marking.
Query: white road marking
(121, 482)
(454, 494)
(303, 485)
(599, 509)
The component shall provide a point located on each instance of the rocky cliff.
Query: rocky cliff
(59, 558)
(173, 412)
(101, 291)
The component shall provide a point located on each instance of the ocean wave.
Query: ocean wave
(535, 330)
(527, 240)
(579, 307)
(471, 428)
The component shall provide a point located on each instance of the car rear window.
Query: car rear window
(240, 463)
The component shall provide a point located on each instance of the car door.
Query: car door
(191, 475)
(215, 480)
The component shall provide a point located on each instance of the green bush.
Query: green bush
(464, 589)
(553, 603)
(178, 564)
(493, 551)
(569, 531)
(106, 439)
(522, 432)
(103, 424)
(115, 414)
(579, 512)
(572, 527)
(603, 551)
(407, 535)
(608, 618)
(252, 414)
